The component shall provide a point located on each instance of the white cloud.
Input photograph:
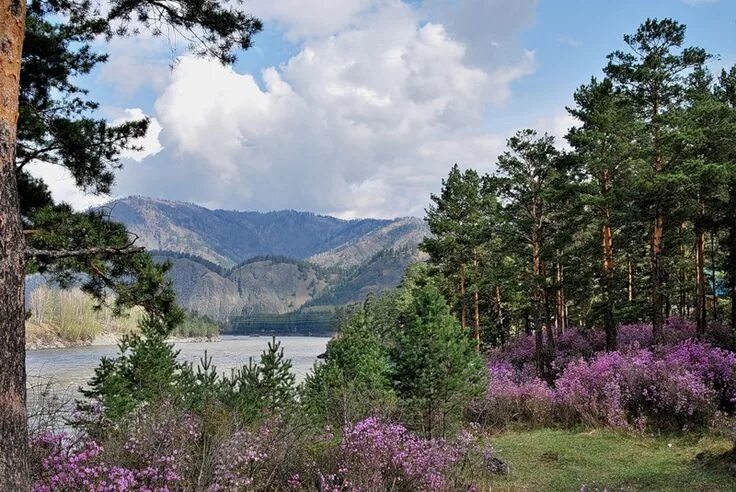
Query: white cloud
(558, 126)
(570, 41)
(381, 98)
(311, 18)
(364, 120)
(149, 144)
(63, 187)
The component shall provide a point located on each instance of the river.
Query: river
(69, 368)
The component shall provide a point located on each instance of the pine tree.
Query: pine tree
(526, 183)
(603, 144)
(435, 369)
(214, 29)
(653, 75)
(461, 220)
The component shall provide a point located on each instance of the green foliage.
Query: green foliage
(146, 371)
(197, 326)
(353, 382)
(257, 391)
(435, 370)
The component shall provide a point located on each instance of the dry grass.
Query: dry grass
(70, 317)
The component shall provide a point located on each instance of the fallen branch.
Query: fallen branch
(66, 253)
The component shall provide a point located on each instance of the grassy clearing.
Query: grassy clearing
(559, 460)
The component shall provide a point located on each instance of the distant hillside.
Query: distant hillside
(230, 237)
(244, 265)
(399, 234)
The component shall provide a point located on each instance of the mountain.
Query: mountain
(229, 237)
(229, 264)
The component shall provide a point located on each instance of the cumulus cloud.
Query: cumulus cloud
(62, 184)
(364, 122)
(311, 18)
(149, 144)
(63, 187)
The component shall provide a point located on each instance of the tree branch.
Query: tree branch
(66, 253)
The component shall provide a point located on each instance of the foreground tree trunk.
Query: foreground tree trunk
(14, 474)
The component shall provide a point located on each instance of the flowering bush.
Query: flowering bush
(679, 383)
(375, 455)
(513, 398)
(157, 456)
(634, 389)
(243, 460)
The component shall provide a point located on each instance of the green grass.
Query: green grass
(558, 460)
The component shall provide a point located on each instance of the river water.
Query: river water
(69, 368)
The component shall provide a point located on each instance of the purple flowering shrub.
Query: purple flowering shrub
(376, 455)
(269, 457)
(158, 454)
(513, 397)
(679, 386)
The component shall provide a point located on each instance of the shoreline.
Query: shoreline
(111, 339)
(105, 339)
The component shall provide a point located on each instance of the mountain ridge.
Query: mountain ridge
(228, 263)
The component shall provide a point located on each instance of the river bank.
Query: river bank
(40, 337)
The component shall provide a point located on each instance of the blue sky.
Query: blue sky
(359, 107)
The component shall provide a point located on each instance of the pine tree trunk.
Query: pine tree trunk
(538, 303)
(14, 472)
(713, 285)
(631, 279)
(499, 314)
(656, 262)
(609, 323)
(700, 306)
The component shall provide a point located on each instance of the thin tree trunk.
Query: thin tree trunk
(463, 310)
(713, 274)
(700, 306)
(631, 279)
(538, 302)
(476, 303)
(499, 314)
(14, 471)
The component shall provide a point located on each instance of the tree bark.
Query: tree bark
(14, 471)
(700, 307)
(539, 297)
(609, 323)
(656, 262)
(499, 314)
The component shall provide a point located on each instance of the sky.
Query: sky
(358, 108)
